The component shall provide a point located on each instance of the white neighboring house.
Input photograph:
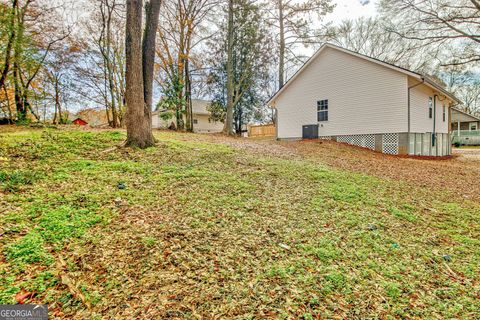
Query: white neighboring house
(463, 121)
(348, 97)
(202, 123)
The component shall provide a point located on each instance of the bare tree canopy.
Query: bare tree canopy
(438, 22)
(293, 23)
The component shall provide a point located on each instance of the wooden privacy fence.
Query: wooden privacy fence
(261, 130)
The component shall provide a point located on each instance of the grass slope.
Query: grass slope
(194, 229)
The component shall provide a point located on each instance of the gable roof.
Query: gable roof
(410, 73)
(80, 120)
(467, 114)
(200, 106)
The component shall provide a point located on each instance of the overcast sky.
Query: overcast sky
(345, 9)
(351, 9)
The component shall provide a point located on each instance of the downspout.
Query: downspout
(408, 103)
(434, 135)
(276, 122)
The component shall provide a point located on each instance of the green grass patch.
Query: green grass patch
(11, 181)
(28, 249)
(405, 213)
(248, 235)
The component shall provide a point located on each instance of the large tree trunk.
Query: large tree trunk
(152, 9)
(281, 61)
(138, 115)
(228, 127)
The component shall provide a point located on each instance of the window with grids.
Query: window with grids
(322, 110)
(444, 113)
(430, 107)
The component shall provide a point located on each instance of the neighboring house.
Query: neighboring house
(79, 122)
(463, 121)
(465, 128)
(202, 121)
(93, 116)
(348, 97)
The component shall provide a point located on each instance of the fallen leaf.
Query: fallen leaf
(23, 295)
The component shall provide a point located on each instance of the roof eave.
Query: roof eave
(437, 87)
(466, 113)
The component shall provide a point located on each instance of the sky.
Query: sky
(344, 9)
(351, 9)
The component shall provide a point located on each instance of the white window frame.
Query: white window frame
(473, 124)
(324, 103)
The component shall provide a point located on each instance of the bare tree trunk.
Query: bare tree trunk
(228, 127)
(139, 126)
(112, 94)
(105, 96)
(57, 104)
(55, 113)
(7, 99)
(188, 97)
(110, 69)
(281, 62)
(152, 9)
(19, 103)
(120, 92)
(105, 46)
(8, 50)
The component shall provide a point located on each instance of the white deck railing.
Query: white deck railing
(465, 133)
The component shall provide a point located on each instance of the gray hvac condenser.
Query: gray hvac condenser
(310, 131)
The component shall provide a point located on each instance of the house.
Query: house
(202, 121)
(465, 128)
(463, 121)
(79, 122)
(348, 97)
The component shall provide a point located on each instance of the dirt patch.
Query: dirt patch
(459, 174)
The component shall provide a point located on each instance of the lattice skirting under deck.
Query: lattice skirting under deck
(361, 140)
(399, 143)
(390, 143)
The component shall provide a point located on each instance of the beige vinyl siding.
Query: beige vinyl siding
(159, 123)
(363, 97)
(442, 126)
(420, 121)
(203, 125)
